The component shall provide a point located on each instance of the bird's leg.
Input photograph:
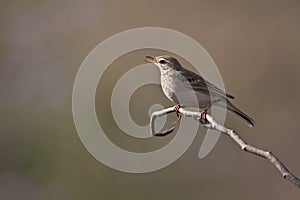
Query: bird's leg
(202, 118)
(176, 108)
(179, 115)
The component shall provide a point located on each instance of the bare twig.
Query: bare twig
(208, 122)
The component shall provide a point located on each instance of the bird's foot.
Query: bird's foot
(178, 114)
(176, 108)
(202, 118)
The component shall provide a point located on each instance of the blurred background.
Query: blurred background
(255, 45)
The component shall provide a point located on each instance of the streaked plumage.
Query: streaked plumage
(179, 84)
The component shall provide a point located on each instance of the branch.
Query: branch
(208, 122)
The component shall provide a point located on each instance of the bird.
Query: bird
(179, 84)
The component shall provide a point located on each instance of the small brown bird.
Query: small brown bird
(180, 84)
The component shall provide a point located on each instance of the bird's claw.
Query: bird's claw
(176, 108)
(202, 118)
(178, 114)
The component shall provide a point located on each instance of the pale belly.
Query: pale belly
(181, 93)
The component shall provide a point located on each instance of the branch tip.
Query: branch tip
(208, 122)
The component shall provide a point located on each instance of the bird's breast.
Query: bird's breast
(168, 87)
(177, 89)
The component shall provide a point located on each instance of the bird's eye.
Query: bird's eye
(162, 61)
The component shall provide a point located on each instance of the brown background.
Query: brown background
(255, 44)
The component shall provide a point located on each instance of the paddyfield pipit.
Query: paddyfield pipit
(180, 84)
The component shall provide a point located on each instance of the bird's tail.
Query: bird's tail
(237, 111)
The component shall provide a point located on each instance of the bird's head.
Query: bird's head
(164, 62)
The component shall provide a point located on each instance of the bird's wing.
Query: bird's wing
(198, 83)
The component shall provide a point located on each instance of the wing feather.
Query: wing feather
(198, 83)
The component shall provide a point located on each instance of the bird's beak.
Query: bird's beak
(150, 59)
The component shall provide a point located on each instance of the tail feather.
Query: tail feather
(240, 113)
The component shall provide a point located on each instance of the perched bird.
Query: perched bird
(179, 84)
